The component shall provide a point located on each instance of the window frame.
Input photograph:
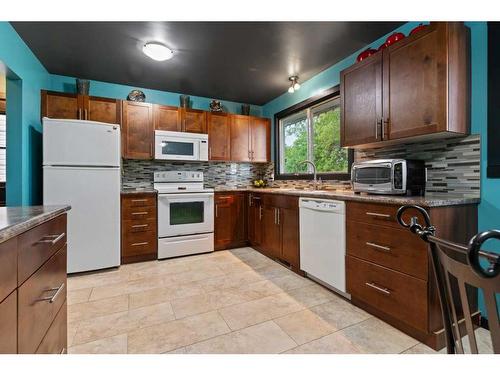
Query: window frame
(305, 105)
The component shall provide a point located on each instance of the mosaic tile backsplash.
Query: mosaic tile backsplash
(453, 165)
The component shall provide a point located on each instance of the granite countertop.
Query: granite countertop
(16, 220)
(145, 190)
(429, 200)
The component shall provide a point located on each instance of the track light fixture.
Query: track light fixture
(294, 84)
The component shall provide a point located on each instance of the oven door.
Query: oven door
(176, 148)
(185, 213)
(373, 178)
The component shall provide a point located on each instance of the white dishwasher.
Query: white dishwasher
(322, 241)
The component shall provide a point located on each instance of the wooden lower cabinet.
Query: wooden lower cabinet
(139, 228)
(230, 220)
(387, 269)
(254, 219)
(33, 315)
(271, 232)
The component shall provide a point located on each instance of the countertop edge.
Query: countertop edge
(428, 202)
(16, 229)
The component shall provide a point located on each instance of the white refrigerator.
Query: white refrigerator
(81, 168)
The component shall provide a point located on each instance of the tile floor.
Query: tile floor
(235, 301)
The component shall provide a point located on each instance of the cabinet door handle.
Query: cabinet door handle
(379, 288)
(260, 213)
(376, 214)
(79, 113)
(138, 200)
(140, 213)
(279, 219)
(379, 247)
(216, 210)
(85, 113)
(53, 297)
(249, 200)
(139, 243)
(140, 226)
(210, 153)
(55, 238)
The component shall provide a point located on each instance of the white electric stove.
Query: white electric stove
(185, 214)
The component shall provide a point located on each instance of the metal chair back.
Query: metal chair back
(458, 271)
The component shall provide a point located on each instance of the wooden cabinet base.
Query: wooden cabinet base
(138, 258)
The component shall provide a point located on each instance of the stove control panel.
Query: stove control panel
(178, 176)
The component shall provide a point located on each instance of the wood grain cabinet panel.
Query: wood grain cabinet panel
(240, 138)
(56, 339)
(219, 136)
(271, 231)
(37, 245)
(105, 110)
(230, 220)
(193, 120)
(8, 324)
(361, 102)
(254, 219)
(167, 118)
(40, 299)
(289, 221)
(137, 130)
(260, 138)
(8, 267)
(61, 105)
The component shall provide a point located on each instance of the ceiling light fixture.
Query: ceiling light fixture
(294, 84)
(157, 51)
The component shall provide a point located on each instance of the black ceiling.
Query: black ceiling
(247, 62)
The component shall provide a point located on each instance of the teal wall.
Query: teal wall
(25, 78)
(114, 90)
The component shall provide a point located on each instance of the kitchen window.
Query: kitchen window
(311, 131)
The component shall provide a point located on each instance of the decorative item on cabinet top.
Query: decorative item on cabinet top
(215, 106)
(184, 101)
(136, 96)
(245, 109)
(82, 86)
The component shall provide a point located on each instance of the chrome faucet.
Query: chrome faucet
(315, 180)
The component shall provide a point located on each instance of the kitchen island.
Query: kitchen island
(33, 316)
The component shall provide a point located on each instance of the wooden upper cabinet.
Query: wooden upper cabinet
(61, 105)
(219, 136)
(240, 138)
(260, 138)
(425, 87)
(361, 102)
(137, 130)
(102, 109)
(167, 118)
(193, 120)
(417, 87)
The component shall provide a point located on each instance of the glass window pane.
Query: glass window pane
(186, 213)
(328, 156)
(294, 143)
(177, 148)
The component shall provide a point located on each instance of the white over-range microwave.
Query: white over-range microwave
(181, 146)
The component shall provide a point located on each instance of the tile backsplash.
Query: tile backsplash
(139, 173)
(453, 165)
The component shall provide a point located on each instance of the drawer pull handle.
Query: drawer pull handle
(139, 243)
(52, 298)
(54, 238)
(378, 215)
(379, 288)
(140, 213)
(379, 247)
(139, 200)
(140, 225)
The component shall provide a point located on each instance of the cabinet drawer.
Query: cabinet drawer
(55, 341)
(397, 249)
(38, 244)
(139, 213)
(282, 201)
(380, 214)
(139, 200)
(132, 226)
(8, 324)
(40, 299)
(401, 296)
(8, 267)
(139, 243)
